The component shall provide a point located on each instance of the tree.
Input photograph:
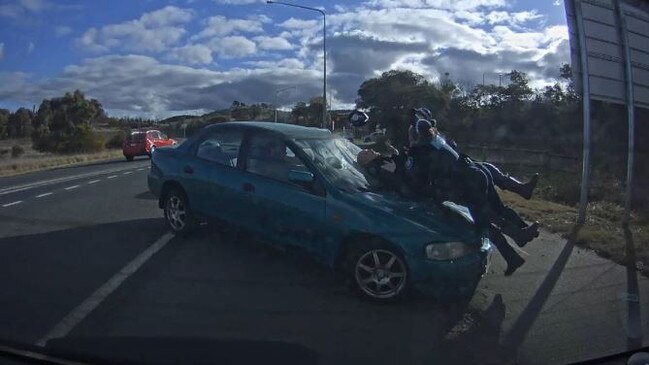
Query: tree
(310, 114)
(20, 123)
(4, 123)
(391, 97)
(518, 89)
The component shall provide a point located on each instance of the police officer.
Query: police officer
(435, 162)
(500, 179)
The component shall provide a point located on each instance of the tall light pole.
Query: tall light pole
(324, 50)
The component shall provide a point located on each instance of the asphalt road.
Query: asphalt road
(86, 256)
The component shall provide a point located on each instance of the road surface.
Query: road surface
(85, 254)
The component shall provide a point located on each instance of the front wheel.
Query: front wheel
(178, 213)
(378, 272)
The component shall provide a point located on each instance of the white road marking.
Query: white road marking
(72, 187)
(14, 203)
(78, 314)
(15, 189)
(112, 177)
(93, 181)
(43, 195)
(128, 172)
(139, 169)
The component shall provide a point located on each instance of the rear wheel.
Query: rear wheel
(128, 157)
(178, 214)
(378, 272)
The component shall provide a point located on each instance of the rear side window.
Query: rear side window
(135, 137)
(221, 147)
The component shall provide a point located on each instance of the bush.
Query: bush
(81, 140)
(116, 141)
(17, 151)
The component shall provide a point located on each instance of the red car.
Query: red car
(140, 143)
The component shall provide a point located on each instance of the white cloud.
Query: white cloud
(437, 4)
(34, 5)
(30, 48)
(293, 23)
(233, 46)
(273, 43)
(62, 30)
(2, 50)
(518, 18)
(292, 63)
(221, 26)
(141, 84)
(239, 2)
(194, 54)
(155, 31)
(17, 9)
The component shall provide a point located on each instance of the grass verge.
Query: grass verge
(602, 232)
(22, 165)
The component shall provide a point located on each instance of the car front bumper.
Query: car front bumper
(155, 184)
(450, 279)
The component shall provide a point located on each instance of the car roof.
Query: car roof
(288, 130)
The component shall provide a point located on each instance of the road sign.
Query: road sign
(605, 36)
(609, 49)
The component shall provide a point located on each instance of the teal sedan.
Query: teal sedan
(301, 187)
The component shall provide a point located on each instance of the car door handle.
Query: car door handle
(188, 169)
(248, 187)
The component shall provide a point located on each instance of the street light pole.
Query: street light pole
(324, 49)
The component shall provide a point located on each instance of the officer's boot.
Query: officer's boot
(523, 189)
(521, 235)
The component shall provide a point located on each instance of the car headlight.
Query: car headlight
(448, 250)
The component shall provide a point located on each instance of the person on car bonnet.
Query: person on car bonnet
(502, 180)
(435, 163)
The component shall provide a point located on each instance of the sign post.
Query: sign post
(609, 47)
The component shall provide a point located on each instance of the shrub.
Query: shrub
(81, 140)
(17, 151)
(116, 141)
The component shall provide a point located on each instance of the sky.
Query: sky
(158, 58)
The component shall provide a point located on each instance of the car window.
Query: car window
(270, 156)
(221, 147)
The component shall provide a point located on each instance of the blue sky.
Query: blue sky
(159, 58)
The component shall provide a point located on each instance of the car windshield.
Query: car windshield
(336, 159)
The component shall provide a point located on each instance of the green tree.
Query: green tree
(391, 97)
(308, 114)
(20, 123)
(4, 123)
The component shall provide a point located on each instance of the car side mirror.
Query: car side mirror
(301, 177)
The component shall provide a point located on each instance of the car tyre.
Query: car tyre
(178, 213)
(129, 158)
(378, 272)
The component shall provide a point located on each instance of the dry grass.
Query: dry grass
(33, 160)
(602, 232)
